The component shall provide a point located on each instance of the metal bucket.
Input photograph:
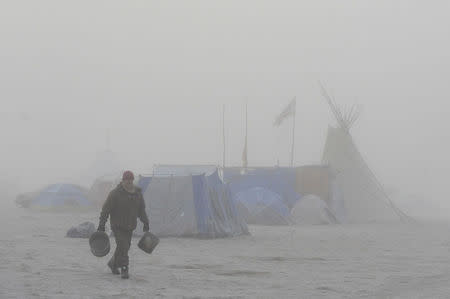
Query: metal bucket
(99, 243)
(148, 242)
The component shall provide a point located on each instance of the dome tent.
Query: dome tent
(312, 210)
(60, 196)
(260, 205)
(264, 195)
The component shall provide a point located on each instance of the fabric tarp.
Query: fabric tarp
(196, 206)
(57, 195)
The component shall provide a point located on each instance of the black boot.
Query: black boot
(113, 268)
(124, 272)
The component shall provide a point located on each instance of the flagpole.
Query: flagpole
(246, 134)
(246, 120)
(223, 134)
(244, 152)
(293, 136)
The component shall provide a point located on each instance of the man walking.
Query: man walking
(124, 204)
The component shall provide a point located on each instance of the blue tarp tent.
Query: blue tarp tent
(195, 206)
(264, 196)
(61, 195)
(262, 206)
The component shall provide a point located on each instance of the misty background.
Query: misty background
(155, 74)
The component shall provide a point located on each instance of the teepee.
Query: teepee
(363, 195)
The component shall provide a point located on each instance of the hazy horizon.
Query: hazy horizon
(156, 75)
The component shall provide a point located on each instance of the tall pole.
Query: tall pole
(293, 135)
(246, 121)
(245, 151)
(223, 134)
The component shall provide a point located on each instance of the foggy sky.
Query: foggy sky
(156, 74)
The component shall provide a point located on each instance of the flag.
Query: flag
(288, 111)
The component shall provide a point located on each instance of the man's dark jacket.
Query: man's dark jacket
(124, 207)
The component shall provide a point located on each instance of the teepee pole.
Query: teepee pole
(345, 121)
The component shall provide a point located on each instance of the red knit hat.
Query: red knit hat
(128, 175)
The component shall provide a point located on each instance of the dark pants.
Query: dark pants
(123, 242)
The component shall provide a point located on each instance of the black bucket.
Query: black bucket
(99, 243)
(148, 242)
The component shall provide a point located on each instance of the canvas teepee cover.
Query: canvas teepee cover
(364, 198)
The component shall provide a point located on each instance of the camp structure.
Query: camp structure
(362, 194)
(321, 201)
(263, 195)
(284, 195)
(56, 197)
(312, 210)
(184, 170)
(191, 206)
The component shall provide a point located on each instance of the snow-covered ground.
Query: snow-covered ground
(370, 261)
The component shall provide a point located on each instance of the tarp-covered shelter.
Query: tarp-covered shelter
(183, 170)
(312, 210)
(267, 195)
(60, 196)
(314, 179)
(264, 195)
(191, 206)
(262, 206)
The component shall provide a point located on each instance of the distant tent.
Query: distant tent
(183, 170)
(311, 209)
(280, 180)
(191, 206)
(314, 179)
(262, 206)
(362, 194)
(60, 196)
(265, 195)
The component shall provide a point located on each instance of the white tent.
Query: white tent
(311, 209)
